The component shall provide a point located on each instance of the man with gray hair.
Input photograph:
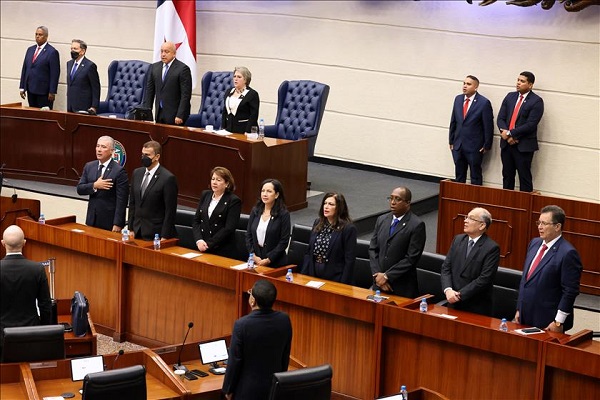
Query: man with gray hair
(23, 282)
(471, 264)
(106, 182)
(40, 72)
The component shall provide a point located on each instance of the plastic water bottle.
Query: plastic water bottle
(42, 219)
(423, 305)
(261, 129)
(251, 261)
(503, 325)
(404, 392)
(125, 234)
(156, 242)
(289, 276)
(377, 297)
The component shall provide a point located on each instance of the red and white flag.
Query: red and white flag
(176, 22)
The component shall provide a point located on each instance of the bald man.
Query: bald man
(22, 283)
(170, 86)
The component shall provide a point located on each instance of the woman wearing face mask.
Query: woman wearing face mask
(269, 228)
(331, 250)
(217, 215)
(240, 111)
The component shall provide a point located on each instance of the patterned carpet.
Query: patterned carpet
(106, 345)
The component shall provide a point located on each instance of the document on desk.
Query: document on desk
(240, 266)
(223, 132)
(189, 255)
(315, 284)
(394, 397)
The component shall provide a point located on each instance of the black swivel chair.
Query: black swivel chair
(123, 383)
(308, 383)
(33, 343)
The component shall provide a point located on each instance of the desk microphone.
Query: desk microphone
(178, 365)
(121, 352)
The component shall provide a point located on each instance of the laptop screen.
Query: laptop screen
(212, 352)
(80, 367)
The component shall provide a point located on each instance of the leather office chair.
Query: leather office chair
(214, 85)
(33, 343)
(126, 86)
(298, 245)
(300, 108)
(307, 383)
(122, 383)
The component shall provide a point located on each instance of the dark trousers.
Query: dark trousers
(39, 100)
(465, 159)
(514, 161)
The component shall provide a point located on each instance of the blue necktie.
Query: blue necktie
(470, 247)
(165, 73)
(73, 70)
(393, 226)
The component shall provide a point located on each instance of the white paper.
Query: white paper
(251, 136)
(315, 284)
(448, 316)
(190, 255)
(240, 267)
(222, 132)
(77, 230)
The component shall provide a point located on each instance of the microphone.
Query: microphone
(179, 365)
(121, 352)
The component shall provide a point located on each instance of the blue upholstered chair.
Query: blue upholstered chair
(300, 108)
(214, 85)
(126, 86)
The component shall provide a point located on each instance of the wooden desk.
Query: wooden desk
(11, 210)
(53, 146)
(208, 387)
(54, 378)
(16, 382)
(77, 346)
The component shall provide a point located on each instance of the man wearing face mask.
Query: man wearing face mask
(153, 197)
(83, 83)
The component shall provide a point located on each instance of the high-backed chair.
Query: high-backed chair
(298, 245)
(214, 85)
(33, 343)
(362, 266)
(307, 383)
(300, 108)
(122, 383)
(126, 86)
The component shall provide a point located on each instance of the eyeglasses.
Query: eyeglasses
(544, 223)
(249, 291)
(469, 218)
(395, 199)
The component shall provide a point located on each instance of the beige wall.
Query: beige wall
(393, 67)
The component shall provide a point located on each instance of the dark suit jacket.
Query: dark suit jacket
(23, 282)
(399, 254)
(105, 207)
(155, 212)
(474, 276)
(246, 115)
(341, 256)
(175, 92)
(260, 346)
(218, 231)
(529, 117)
(40, 77)
(83, 91)
(476, 130)
(553, 286)
(277, 238)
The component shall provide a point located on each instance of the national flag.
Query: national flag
(176, 22)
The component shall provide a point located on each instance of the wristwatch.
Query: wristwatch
(557, 324)
(385, 277)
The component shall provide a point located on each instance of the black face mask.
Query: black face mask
(146, 161)
(74, 55)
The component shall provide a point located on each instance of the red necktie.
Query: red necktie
(465, 108)
(36, 53)
(513, 119)
(537, 260)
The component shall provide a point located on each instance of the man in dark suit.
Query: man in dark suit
(471, 264)
(551, 276)
(260, 346)
(170, 86)
(23, 282)
(518, 119)
(40, 72)
(106, 182)
(83, 83)
(153, 197)
(396, 247)
(471, 131)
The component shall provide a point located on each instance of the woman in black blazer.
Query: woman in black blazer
(217, 215)
(240, 111)
(331, 249)
(269, 227)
